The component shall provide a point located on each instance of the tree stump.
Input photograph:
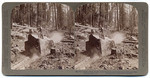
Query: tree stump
(113, 51)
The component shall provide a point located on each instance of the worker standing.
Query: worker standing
(40, 35)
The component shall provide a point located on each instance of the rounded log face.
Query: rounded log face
(93, 46)
(32, 46)
(102, 47)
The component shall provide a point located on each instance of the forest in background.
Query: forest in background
(53, 16)
(115, 16)
(56, 16)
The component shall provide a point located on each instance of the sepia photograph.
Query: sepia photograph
(106, 37)
(96, 36)
(42, 36)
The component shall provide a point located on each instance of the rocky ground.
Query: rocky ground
(71, 52)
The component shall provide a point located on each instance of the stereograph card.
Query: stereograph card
(97, 38)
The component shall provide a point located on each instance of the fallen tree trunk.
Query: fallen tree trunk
(134, 42)
(70, 41)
